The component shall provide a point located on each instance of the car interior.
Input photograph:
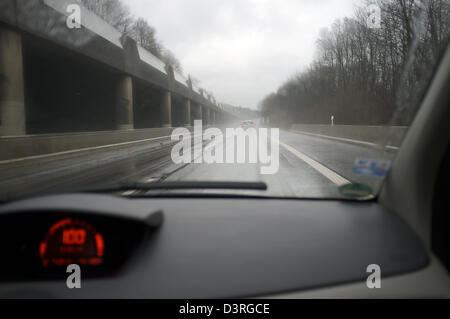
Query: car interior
(218, 246)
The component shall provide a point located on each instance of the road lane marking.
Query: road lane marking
(342, 139)
(128, 193)
(154, 179)
(35, 157)
(79, 150)
(325, 171)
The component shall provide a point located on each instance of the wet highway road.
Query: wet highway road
(328, 165)
(309, 166)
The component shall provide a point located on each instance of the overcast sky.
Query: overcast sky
(241, 50)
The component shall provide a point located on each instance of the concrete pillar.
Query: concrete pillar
(219, 117)
(124, 107)
(213, 117)
(206, 119)
(167, 110)
(188, 113)
(12, 100)
(200, 112)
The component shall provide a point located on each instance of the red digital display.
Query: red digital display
(74, 236)
(72, 241)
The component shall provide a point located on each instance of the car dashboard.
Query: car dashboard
(197, 247)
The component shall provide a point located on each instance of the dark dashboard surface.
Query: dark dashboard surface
(214, 248)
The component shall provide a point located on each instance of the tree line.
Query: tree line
(118, 15)
(365, 71)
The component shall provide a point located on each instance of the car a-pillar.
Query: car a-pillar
(12, 99)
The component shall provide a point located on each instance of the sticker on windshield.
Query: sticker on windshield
(369, 167)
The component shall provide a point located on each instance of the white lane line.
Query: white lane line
(325, 171)
(195, 155)
(346, 140)
(80, 150)
(149, 179)
(128, 193)
(215, 143)
(35, 157)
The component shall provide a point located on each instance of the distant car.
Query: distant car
(247, 124)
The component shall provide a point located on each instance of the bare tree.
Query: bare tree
(361, 74)
(169, 58)
(145, 36)
(118, 15)
(112, 11)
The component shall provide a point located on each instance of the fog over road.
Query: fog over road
(309, 166)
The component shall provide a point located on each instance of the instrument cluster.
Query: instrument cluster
(40, 245)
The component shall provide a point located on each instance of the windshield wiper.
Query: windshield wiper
(179, 185)
(202, 185)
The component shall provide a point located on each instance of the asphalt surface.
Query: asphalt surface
(305, 165)
(295, 177)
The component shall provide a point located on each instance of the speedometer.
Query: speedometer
(72, 241)
(40, 244)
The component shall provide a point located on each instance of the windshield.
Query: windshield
(297, 99)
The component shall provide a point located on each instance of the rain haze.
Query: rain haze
(241, 50)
